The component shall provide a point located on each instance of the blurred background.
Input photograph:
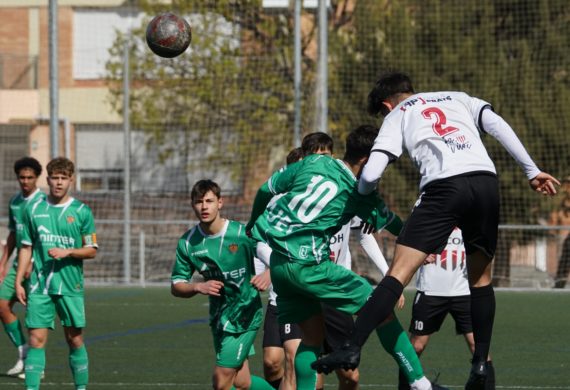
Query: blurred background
(257, 77)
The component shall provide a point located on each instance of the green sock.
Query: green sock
(79, 364)
(396, 342)
(14, 331)
(258, 383)
(35, 365)
(306, 376)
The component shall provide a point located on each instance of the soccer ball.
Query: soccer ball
(168, 35)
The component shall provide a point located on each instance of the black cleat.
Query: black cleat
(347, 358)
(477, 376)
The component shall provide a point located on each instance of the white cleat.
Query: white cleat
(17, 369)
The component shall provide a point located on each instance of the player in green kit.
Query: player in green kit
(219, 250)
(61, 232)
(320, 196)
(27, 170)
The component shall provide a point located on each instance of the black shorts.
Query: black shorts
(470, 202)
(274, 334)
(338, 327)
(428, 313)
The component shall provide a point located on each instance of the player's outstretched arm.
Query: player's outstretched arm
(496, 126)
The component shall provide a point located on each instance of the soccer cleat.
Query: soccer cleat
(347, 358)
(17, 369)
(22, 375)
(477, 376)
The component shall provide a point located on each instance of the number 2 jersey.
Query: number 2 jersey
(67, 225)
(440, 131)
(320, 196)
(228, 257)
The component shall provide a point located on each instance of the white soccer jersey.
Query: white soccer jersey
(440, 132)
(447, 276)
(340, 251)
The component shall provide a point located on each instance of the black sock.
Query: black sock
(403, 381)
(490, 380)
(378, 307)
(482, 317)
(275, 384)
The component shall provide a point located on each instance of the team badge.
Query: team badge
(70, 219)
(233, 248)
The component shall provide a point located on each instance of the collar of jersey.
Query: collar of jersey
(71, 199)
(219, 234)
(31, 196)
(343, 165)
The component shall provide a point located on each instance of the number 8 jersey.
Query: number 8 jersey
(441, 132)
(320, 196)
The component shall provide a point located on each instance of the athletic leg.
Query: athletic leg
(482, 315)
(36, 359)
(308, 351)
(78, 358)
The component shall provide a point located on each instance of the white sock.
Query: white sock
(23, 351)
(421, 384)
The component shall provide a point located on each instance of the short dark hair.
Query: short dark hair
(359, 143)
(294, 155)
(201, 187)
(28, 162)
(389, 84)
(314, 141)
(60, 165)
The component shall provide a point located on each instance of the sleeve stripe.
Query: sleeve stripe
(480, 119)
(391, 157)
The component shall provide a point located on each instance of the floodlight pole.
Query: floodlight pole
(297, 76)
(53, 80)
(127, 167)
(322, 70)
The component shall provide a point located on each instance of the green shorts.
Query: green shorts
(42, 309)
(301, 288)
(232, 349)
(7, 290)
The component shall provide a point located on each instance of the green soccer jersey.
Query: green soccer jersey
(18, 205)
(227, 257)
(320, 197)
(46, 226)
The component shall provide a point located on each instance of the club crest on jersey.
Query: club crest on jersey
(70, 219)
(233, 248)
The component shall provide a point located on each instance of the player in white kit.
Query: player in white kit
(442, 289)
(441, 132)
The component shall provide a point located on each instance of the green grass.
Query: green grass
(146, 339)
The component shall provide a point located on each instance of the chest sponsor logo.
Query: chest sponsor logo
(235, 277)
(49, 238)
